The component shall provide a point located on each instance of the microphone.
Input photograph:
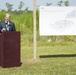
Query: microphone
(6, 22)
(7, 25)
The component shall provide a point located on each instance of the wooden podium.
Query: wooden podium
(10, 49)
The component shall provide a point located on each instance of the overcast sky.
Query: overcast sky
(29, 3)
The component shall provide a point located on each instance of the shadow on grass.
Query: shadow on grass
(57, 56)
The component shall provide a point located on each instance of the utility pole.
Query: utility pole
(34, 23)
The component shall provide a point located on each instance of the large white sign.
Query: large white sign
(57, 20)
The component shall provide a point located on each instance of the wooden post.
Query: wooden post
(34, 16)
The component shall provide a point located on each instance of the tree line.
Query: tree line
(21, 5)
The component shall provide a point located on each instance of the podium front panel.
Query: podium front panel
(11, 49)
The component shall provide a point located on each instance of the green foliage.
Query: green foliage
(60, 3)
(66, 3)
(63, 2)
(21, 5)
(9, 7)
(2, 15)
(24, 24)
(68, 38)
(48, 4)
(37, 18)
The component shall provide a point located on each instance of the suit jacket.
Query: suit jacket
(11, 26)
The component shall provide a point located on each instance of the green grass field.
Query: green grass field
(51, 60)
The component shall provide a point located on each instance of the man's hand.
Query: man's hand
(3, 30)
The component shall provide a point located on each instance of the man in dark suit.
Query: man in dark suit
(7, 25)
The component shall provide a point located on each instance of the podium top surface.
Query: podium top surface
(10, 32)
